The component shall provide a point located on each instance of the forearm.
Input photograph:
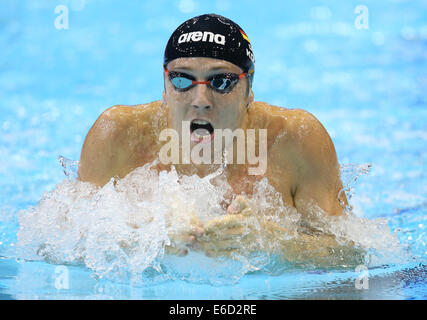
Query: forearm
(306, 248)
(242, 231)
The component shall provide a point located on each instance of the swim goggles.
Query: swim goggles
(222, 83)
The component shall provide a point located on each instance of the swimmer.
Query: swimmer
(208, 74)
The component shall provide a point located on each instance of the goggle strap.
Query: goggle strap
(200, 82)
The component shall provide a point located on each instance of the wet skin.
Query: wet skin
(301, 159)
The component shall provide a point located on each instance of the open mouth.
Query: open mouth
(201, 130)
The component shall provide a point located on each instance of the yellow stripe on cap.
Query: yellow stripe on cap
(245, 36)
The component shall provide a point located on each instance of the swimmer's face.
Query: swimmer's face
(221, 110)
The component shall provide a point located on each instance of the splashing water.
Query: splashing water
(349, 175)
(70, 167)
(122, 229)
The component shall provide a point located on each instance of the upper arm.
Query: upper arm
(102, 153)
(318, 180)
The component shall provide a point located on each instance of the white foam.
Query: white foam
(122, 228)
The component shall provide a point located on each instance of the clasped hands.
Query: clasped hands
(242, 231)
(237, 230)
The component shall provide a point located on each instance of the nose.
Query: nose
(201, 98)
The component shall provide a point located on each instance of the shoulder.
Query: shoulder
(293, 125)
(314, 151)
(296, 126)
(312, 137)
(124, 114)
(264, 114)
(306, 129)
(114, 120)
(298, 133)
(120, 134)
(275, 117)
(303, 147)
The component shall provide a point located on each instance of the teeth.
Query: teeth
(201, 122)
(201, 133)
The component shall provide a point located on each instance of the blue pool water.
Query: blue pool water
(367, 86)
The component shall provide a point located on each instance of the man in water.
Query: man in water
(208, 75)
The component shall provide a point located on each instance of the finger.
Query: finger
(247, 212)
(232, 209)
(242, 237)
(221, 245)
(176, 251)
(195, 221)
(223, 222)
(237, 205)
(197, 231)
(182, 239)
(235, 233)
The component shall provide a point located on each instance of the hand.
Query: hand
(218, 236)
(223, 235)
(230, 233)
(185, 238)
(240, 205)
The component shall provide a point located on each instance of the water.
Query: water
(366, 86)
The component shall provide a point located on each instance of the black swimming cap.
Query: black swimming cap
(211, 36)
